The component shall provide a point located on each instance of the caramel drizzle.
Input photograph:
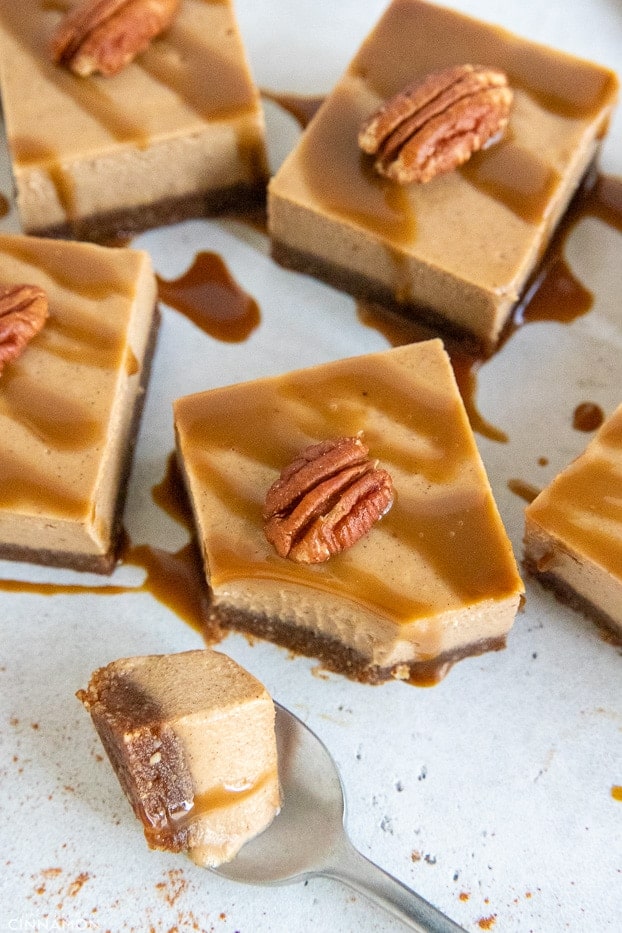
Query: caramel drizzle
(454, 530)
(206, 82)
(514, 176)
(57, 421)
(584, 504)
(223, 795)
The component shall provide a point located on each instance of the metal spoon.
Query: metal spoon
(308, 837)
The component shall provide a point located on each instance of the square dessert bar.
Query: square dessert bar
(573, 529)
(432, 581)
(179, 132)
(191, 739)
(70, 403)
(456, 250)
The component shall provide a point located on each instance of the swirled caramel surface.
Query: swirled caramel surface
(581, 510)
(441, 550)
(66, 402)
(65, 130)
(462, 245)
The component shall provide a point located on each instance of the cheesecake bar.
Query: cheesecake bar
(573, 529)
(191, 739)
(178, 132)
(70, 403)
(400, 572)
(455, 250)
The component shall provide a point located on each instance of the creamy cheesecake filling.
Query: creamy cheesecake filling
(437, 572)
(573, 533)
(191, 739)
(68, 405)
(463, 245)
(80, 147)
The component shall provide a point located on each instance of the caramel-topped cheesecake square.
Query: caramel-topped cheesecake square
(573, 529)
(70, 401)
(416, 577)
(178, 132)
(455, 250)
(191, 738)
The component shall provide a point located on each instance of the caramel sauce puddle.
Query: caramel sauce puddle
(175, 578)
(553, 294)
(209, 296)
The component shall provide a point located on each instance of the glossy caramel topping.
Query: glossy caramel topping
(417, 38)
(224, 795)
(211, 298)
(341, 177)
(401, 329)
(59, 421)
(23, 486)
(519, 179)
(583, 505)
(193, 69)
(412, 40)
(447, 524)
(54, 399)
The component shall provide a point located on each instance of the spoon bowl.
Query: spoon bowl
(308, 837)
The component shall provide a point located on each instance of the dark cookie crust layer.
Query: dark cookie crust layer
(338, 657)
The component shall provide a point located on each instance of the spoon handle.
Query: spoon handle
(356, 871)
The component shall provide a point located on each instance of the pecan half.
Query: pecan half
(434, 125)
(325, 500)
(23, 311)
(103, 36)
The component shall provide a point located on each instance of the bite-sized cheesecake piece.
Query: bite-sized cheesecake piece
(414, 569)
(191, 739)
(178, 132)
(573, 529)
(456, 249)
(70, 403)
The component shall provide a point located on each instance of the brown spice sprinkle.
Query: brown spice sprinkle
(326, 500)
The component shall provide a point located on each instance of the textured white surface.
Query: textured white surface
(490, 793)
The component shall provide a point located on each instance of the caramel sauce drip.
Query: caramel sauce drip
(208, 82)
(302, 107)
(515, 177)
(522, 489)
(584, 504)
(553, 294)
(457, 535)
(5, 206)
(616, 792)
(587, 417)
(223, 795)
(352, 188)
(174, 578)
(208, 295)
(400, 330)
